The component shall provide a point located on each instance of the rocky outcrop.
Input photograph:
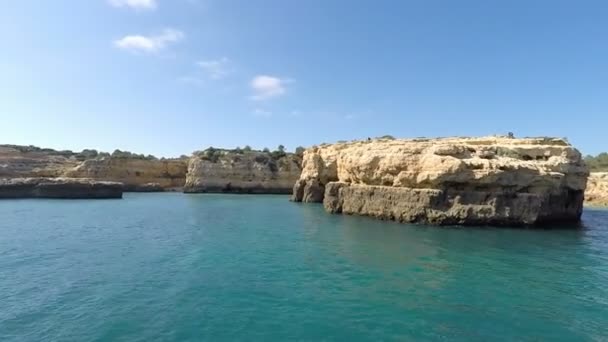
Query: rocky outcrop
(69, 188)
(229, 171)
(597, 189)
(136, 174)
(26, 161)
(489, 180)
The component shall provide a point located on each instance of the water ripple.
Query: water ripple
(170, 267)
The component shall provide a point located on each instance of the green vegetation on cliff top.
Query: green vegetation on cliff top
(214, 154)
(85, 154)
(598, 163)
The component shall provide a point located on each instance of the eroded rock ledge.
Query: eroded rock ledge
(72, 188)
(489, 180)
(254, 172)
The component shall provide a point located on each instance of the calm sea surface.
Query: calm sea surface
(173, 267)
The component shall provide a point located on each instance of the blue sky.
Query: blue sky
(168, 77)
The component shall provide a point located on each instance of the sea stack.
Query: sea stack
(448, 181)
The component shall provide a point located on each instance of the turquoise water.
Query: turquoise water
(173, 267)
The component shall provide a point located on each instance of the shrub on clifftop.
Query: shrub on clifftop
(598, 163)
(279, 153)
(211, 154)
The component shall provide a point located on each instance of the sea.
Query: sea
(212, 267)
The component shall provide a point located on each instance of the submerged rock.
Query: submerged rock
(59, 188)
(597, 189)
(255, 172)
(471, 181)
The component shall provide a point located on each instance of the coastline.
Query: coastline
(332, 174)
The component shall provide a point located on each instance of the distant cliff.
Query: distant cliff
(242, 171)
(136, 172)
(597, 189)
(488, 180)
(212, 170)
(29, 161)
(597, 186)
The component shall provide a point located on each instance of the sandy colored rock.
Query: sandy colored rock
(136, 174)
(488, 180)
(245, 172)
(597, 189)
(69, 188)
(22, 161)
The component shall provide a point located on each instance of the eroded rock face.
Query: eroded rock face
(597, 189)
(247, 172)
(69, 188)
(490, 180)
(136, 174)
(15, 163)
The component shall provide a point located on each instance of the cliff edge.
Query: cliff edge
(487, 180)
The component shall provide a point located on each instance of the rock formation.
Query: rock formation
(142, 175)
(26, 161)
(597, 189)
(71, 188)
(213, 170)
(489, 180)
(138, 173)
(233, 171)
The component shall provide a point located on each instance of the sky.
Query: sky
(168, 77)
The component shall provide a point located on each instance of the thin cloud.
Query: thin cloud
(261, 113)
(266, 87)
(191, 80)
(149, 44)
(135, 4)
(216, 69)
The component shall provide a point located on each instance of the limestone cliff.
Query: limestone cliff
(135, 174)
(488, 180)
(138, 173)
(242, 172)
(26, 161)
(597, 189)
